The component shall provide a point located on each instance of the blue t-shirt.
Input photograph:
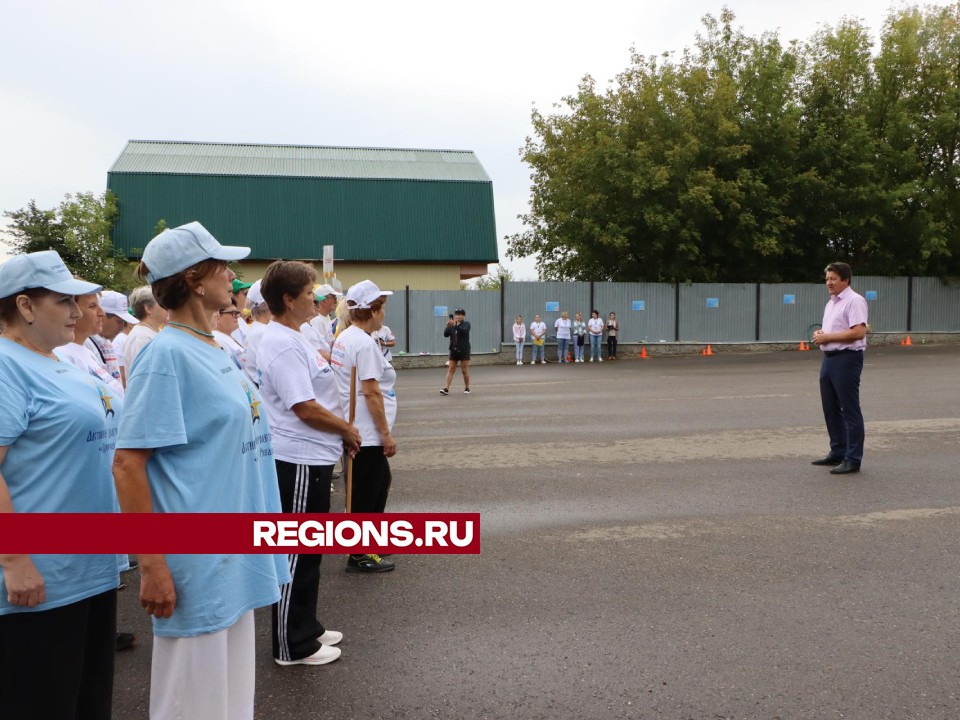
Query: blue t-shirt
(60, 426)
(212, 452)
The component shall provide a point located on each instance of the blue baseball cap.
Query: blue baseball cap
(44, 270)
(176, 249)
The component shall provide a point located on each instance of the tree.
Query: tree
(79, 230)
(493, 280)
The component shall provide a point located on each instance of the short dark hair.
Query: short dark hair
(8, 305)
(172, 293)
(285, 277)
(843, 271)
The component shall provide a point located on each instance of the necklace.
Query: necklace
(189, 327)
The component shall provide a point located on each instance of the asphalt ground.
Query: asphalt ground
(655, 544)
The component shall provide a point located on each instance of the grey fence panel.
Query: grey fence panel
(718, 312)
(790, 312)
(887, 301)
(647, 311)
(533, 298)
(429, 311)
(936, 306)
(396, 319)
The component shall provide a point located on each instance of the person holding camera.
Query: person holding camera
(458, 330)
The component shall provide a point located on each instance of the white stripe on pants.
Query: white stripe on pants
(301, 488)
(208, 676)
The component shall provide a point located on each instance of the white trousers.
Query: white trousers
(207, 676)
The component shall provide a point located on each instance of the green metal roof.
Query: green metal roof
(423, 206)
(195, 158)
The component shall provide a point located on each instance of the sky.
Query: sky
(80, 79)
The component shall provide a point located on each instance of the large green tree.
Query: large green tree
(748, 159)
(79, 230)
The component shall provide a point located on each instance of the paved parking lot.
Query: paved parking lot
(655, 544)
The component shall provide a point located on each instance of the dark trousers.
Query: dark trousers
(58, 664)
(371, 480)
(303, 489)
(611, 346)
(840, 396)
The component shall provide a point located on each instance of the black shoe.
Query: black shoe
(126, 641)
(368, 564)
(828, 460)
(845, 468)
(444, 391)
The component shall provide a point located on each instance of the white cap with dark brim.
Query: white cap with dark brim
(44, 270)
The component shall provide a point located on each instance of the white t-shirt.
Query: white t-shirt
(324, 328)
(119, 342)
(136, 341)
(230, 346)
(538, 329)
(83, 358)
(354, 348)
(314, 337)
(563, 328)
(249, 359)
(293, 372)
(240, 334)
(386, 335)
(595, 326)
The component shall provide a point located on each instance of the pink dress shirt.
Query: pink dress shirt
(844, 311)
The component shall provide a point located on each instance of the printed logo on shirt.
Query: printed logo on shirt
(254, 404)
(105, 400)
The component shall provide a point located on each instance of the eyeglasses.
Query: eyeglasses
(235, 313)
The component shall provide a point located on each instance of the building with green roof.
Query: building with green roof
(422, 218)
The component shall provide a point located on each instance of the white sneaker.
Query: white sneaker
(330, 637)
(519, 363)
(324, 655)
(600, 359)
(543, 362)
(591, 359)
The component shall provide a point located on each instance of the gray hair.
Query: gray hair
(141, 300)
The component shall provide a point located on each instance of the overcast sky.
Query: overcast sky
(80, 79)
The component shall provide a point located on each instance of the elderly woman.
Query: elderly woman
(57, 612)
(78, 352)
(376, 407)
(225, 323)
(194, 438)
(301, 396)
(564, 330)
(150, 318)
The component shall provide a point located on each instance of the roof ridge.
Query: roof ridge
(291, 145)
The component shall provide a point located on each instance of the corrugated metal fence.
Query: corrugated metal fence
(656, 312)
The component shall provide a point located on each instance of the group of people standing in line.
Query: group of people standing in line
(572, 337)
(86, 426)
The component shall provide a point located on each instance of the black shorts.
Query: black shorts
(460, 354)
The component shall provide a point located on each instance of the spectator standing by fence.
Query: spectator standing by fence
(538, 334)
(458, 330)
(613, 330)
(595, 333)
(564, 329)
(579, 333)
(519, 336)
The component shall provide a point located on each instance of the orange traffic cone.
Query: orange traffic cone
(708, 351)
(907, 341)
(643, 353)
(802, 346)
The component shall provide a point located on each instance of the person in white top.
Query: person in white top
(261, 316)
(579, 333)
(224, 324)
(538, 334)
(75, 353)
(309, 435)
(376, 407)
(147, 310)
(564, 330)
(326, 301)
(519, 336)
(116, 320)
(385, 338)
(595, 333)
(239, 291)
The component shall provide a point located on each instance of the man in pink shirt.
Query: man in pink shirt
(842, 338)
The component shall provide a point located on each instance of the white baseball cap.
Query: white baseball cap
(176, 249)
(114, 303)
(254, 296)
(322, 291)
(360, 296)
(42, 269)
